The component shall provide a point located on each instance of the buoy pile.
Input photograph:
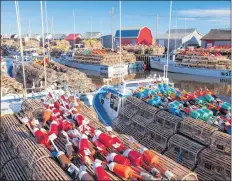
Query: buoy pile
(100, 154)
(201, 104)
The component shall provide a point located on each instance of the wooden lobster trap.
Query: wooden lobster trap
(212, 165)
(183, 150)
(197, 130)
(156, 137)
(221, 142)
(168, 121)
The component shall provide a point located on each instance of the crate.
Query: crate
(214, 164)
(168, 121)
(183, 150)
(221, 143)
(197, 130)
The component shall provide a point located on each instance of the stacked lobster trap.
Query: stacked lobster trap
(183, 150)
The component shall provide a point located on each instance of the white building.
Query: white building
(180, 38)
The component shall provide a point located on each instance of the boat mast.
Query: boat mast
(74, 29)
(45, 73)
(170, 17)
(46, 16)
(120, 36)
(112, 28)
(21, 47)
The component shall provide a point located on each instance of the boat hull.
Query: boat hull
(110, 71)
(193, 71)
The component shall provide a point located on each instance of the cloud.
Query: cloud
(205, 12)
(187, 19)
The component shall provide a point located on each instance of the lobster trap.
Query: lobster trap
(156, 137)
(183, 150)
(213, 166)
(197, 130)
(168, 121)
(143, 108)
(221, 142)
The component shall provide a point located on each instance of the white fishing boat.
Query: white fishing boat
(111, 71)
(108, 100)
(158, 63)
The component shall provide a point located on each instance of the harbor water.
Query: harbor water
(221, 87)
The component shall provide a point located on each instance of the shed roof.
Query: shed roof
(89, 35)
(59, 36)
(177, 33)
(127, 33)
(72, 36)
(217, 34)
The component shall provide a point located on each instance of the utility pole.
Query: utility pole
(184, 29)
(112, 27)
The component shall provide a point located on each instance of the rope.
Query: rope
(179, 157)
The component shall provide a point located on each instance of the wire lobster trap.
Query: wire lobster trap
(221, 142)
(156, 137)
(143, 108)
(168, 121)
(213, 166)
(197, 130)
(183, 150)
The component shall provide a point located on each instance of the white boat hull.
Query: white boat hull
(193, 71)
(110, 71)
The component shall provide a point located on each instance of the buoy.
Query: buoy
(113, 157)
(123, 171)
(100, 172)
(104, 138)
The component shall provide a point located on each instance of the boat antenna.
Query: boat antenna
(45, 73)
(21, 47)
(170, 17)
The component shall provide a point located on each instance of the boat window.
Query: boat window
(114, 102)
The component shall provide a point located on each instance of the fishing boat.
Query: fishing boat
(67, 59)
(158, 63)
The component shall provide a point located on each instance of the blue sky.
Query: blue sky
(203, 15)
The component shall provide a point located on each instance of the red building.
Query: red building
(134, 36)
(73, 37)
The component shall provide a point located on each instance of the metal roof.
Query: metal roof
(177, 33)
(89, 35)
(128, 33)
(217, 34)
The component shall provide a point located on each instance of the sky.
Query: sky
(203, 15)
